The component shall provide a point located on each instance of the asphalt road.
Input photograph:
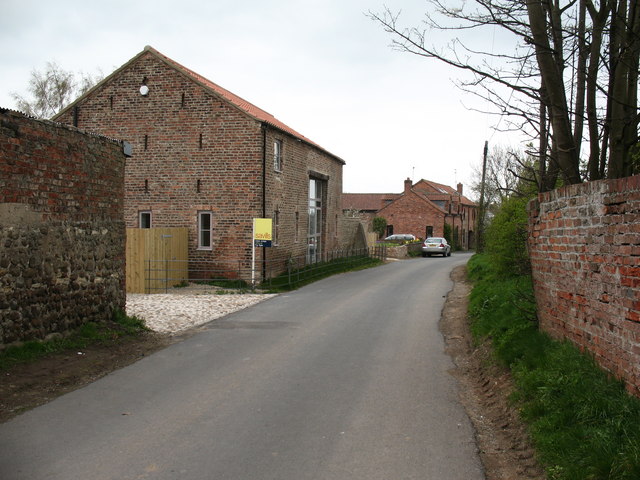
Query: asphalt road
(343, 379)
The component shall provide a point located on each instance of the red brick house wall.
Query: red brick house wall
(585, 250)
(412, 213)
(198, 147)
(61, 228)
(429, 204)
(460, 211)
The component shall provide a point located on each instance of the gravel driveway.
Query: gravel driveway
(187, 307)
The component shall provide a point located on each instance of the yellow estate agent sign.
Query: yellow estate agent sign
(262, 232)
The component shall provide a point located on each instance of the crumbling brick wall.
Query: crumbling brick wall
(585, 255)
(62, 234)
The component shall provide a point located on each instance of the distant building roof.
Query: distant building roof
(363, 202)
(373, 202)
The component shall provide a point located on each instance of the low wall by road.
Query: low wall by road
(62, 235)
(585, 254)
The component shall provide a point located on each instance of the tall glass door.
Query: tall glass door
(315, 220)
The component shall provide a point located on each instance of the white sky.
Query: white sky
(320, 66)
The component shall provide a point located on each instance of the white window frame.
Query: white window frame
(201, 230)
(142, 213)
(277, 155)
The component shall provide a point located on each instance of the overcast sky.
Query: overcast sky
(320, 66)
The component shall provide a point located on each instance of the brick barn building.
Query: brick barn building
(422, 209)
(206, 159)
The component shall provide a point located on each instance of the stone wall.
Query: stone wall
(62, 232)
(585, 254)
(353, 234)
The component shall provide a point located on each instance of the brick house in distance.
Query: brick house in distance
(206, 159)
(422, 209)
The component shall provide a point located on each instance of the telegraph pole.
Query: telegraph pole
(480, 245)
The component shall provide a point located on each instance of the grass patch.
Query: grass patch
(314, 272)
(88, 334)
(227, 283)
(583, 423)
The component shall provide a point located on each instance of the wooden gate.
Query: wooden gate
(157, 259)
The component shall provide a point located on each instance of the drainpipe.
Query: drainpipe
(264, 171)
(264, 194)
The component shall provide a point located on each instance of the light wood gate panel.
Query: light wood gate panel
(157, 259)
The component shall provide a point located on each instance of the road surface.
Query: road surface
(343, 379)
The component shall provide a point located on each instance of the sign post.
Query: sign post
(262, 237)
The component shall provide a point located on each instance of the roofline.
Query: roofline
(204, 83)
(421, 197)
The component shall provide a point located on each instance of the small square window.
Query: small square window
(205, 230)
(144, 219)
(277, 155)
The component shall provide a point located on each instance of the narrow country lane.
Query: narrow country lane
(344, 379)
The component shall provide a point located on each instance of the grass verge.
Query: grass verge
(90, 333)
(584, 424)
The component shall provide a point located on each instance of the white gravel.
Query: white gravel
(174, 312)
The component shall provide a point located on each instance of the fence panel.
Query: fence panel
(161, 275)
(166, 247)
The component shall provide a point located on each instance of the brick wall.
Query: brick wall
(62, 233)
(187, 145)
(585, 254)
(288, 194)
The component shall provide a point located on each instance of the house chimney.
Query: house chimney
(460, 188)
(407, 185)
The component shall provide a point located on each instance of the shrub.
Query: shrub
(506, 238)
(379, 226)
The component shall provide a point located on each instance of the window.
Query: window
(429, 232)
(205, 229)
(314, 248)
(144, 219)
(297, 232)
(277, 155)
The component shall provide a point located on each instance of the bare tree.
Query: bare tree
(53, 89)
(568, 62)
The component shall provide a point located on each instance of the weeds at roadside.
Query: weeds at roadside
(583, 422)
(88, 334)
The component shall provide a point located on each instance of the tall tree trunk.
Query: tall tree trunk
(563, 141)
(595, 166)
(581, 73)
(624, 92)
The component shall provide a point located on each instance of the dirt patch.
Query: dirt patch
(29, 385)
(503, 442)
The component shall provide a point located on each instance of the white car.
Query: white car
(400, 237)
(436, 246)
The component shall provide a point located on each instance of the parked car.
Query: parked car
(435, 246)
(400, 237)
